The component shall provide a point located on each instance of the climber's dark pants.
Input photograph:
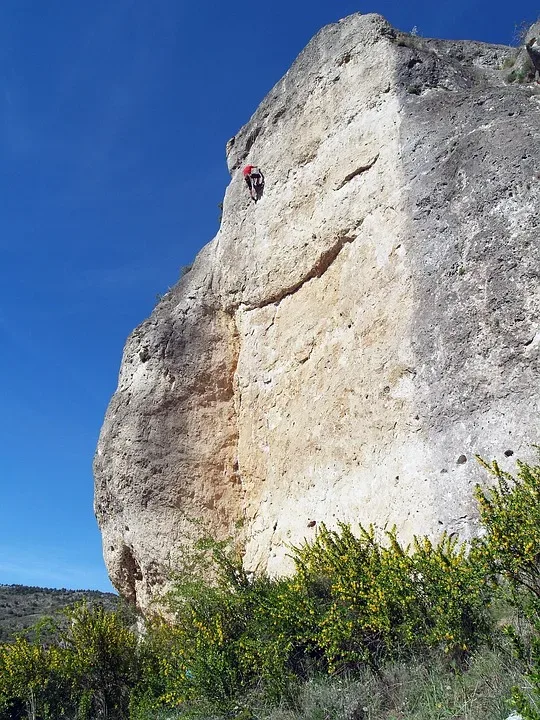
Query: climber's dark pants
(254, 183)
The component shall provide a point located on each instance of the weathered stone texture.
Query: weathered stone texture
(341, 344)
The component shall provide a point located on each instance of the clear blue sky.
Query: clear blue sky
(115, 115)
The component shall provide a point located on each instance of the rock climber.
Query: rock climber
(533, 49)
(254, 180)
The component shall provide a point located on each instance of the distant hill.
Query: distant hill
(22, 606)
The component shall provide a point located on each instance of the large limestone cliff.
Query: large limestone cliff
(344, 347)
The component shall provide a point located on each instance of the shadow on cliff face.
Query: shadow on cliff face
(169, 428)
(470, 147)
(130, 573)
(469, 160)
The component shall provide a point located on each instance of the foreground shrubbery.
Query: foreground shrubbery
(89, 671)
(353, 602)
(510, 515)
(358, 604)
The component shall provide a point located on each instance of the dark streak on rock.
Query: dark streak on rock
(324, 261)
(358, 171)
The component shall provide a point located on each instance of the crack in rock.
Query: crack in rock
(324, 261)
(358, 171)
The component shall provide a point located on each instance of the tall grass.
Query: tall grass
(420, 689)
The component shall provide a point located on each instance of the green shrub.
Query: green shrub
(510, 515)
(87, 672)
(385, 601)
(508, 63)
(34, 681)
(102, 655)
(352, 602)
(185, 269)
(234, 634)
(356, 602)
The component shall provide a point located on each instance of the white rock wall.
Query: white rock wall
(344, 347)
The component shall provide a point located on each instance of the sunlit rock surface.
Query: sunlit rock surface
(343, 348)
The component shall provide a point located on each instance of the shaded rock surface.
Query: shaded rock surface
(343, 348)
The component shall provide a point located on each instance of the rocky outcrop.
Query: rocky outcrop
(343, 348)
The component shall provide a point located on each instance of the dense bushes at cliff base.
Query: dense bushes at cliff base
(510, 516)
(358, 600)
(382, 600)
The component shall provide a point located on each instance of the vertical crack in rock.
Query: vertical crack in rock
(238, 533)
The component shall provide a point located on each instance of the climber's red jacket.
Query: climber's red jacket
(246, 171)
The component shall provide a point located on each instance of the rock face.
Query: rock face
(344, 347)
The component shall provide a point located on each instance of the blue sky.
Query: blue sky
(114, 118)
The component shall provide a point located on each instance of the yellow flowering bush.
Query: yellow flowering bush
(357, 598)
(510, 515)
(384, 600)
(88, 671)
(33, 681)
(238, 631)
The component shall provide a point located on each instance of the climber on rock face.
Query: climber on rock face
(254, 180)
